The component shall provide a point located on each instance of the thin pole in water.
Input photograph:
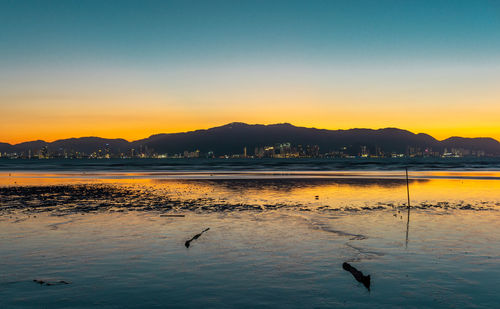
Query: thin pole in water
(407, 187)
(408, 219)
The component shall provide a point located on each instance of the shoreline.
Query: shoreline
(224, 196)
(255, 175)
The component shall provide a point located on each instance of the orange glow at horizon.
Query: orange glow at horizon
(132, 105)
(133, 122)
(130, 128)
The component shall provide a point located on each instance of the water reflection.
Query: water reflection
(274, 259)
(292, 184)
(345, 195)
(407, 227)
(272, 242)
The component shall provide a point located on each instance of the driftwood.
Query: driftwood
(42, 282)
(188, 242)
(357, 275)
(174, 216)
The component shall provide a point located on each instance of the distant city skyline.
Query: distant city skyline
(241, 140)
(130, 69)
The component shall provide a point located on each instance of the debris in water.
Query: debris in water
(357, 275)
(48, 283)
(188, 242)
(180, 216)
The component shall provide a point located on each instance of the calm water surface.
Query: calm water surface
(275, 240)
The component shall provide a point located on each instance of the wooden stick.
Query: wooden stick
(408, 217)
(407, 187)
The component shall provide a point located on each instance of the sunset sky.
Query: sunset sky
(135, 68)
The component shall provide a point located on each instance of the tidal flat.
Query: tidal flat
(274, 241)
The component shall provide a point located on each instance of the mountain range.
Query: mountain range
(232, 138)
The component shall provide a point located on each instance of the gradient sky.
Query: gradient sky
(134, 68)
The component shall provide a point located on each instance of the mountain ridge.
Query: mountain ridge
(232, 137)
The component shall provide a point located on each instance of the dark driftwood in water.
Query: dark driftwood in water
(357, 275)
(173, 216)
(188, 242)
(42, 282)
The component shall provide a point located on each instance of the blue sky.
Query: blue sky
(150, 31)
(189, 57)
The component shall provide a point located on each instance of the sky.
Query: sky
(131, 69)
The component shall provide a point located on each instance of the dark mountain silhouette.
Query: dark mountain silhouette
(487, 144)
(231, 138)
(90, 144)
(81, 144)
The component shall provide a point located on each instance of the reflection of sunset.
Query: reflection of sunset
(336, 192)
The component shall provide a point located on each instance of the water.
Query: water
(252, 164)
(277, 237)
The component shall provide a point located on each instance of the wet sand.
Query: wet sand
(120, 242)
